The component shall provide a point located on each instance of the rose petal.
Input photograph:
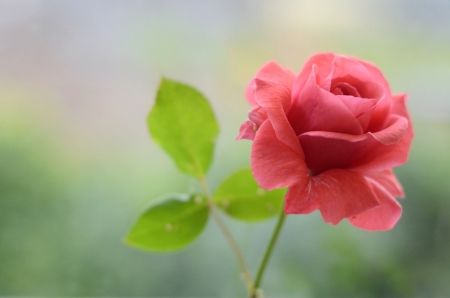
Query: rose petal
(275, 164)
(375, 73)
(336, 193)
(388, 180)
(350, 70)
(383, 217)
(273, 94)
(384, 105)
(364, 119)
(399, 107)
(349, 89)
(370, 90)
(257, 115)
(271, 72)
(338, 91)
(299, 199)
(280, 79)
(250, 93)
(363, 107)
(395, 154)
(247, 131)
(323, 69)
(394, 132)
(327, 150)
(357, 106)
(318, 110)
(380, 113)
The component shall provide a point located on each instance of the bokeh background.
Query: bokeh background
(77, 166)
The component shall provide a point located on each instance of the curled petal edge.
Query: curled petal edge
(275, 100)
(381, 218)
(247, 131)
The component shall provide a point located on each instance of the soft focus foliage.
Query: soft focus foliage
(183, 124)
(77, 79)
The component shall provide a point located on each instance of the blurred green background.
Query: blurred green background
(77, 79)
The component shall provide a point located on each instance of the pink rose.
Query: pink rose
(332, 134)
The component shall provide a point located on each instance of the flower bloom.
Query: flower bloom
(332, 135)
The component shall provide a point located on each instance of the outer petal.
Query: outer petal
(347, 69)
(327, 150)
(336, 193)
(376, 74)
(247, 131)
(250, 93)
(380, 218)
(275, 164)
(385, 105)
(318, 110)
(397, 127)
(299, 199)
(273, 94)
(323, 72)
(257, 115)
(280, 79)
(397, 153)
(271, 72)
(388, 180)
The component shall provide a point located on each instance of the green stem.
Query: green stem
(267, 254)
(228, 236)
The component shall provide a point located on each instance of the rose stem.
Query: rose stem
(228, 236)
(267, 254)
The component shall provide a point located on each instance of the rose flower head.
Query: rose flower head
(332, 135)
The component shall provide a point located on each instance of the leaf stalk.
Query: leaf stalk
(228, 236)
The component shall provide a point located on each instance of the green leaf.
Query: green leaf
(171, 224)
(183, 124)
(240, 197)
